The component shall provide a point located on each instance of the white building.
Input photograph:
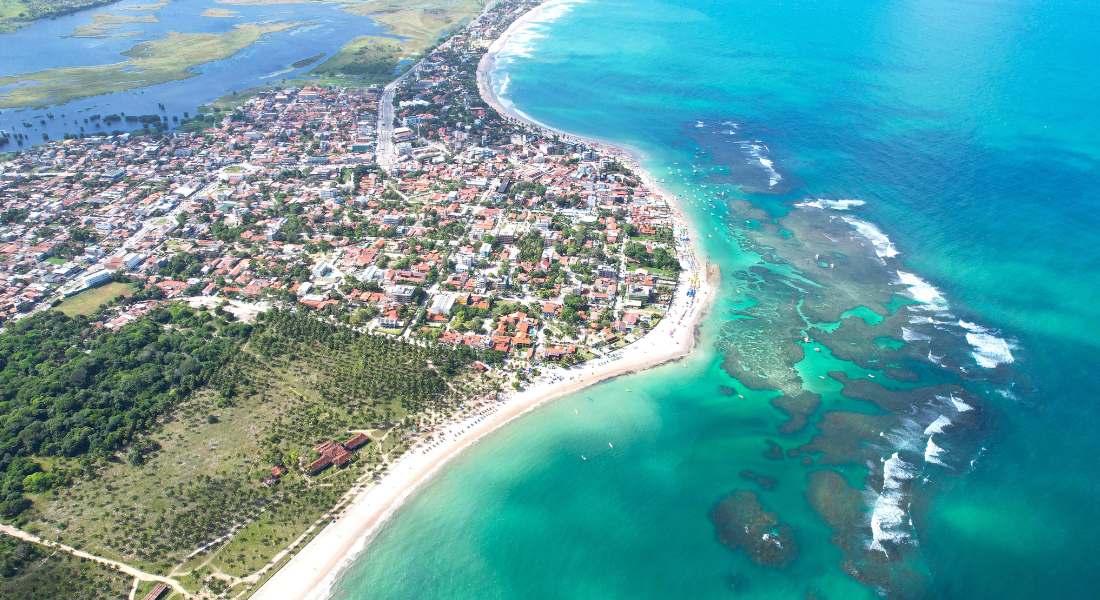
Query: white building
(442, 304)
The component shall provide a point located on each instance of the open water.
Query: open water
(912, 186)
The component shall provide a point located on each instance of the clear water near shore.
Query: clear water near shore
(961, 271)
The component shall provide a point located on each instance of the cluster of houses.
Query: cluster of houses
(484, 232)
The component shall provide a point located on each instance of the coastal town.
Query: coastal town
(420, 214)
(473, 230)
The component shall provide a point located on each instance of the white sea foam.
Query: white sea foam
(1007, 394)
(521, 41)
(825, 203)
(884, 248)
(905, 434)
(989, 350)
(755, 150)
(959, 404)
(888, 514)
(922, 291)
(932, 452)
(910, 336)
(937, 425)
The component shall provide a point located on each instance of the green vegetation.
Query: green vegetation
(157, 62)
(147, 444)
(19, 13)
(370, 58)
(87, 301)
(414, 26)
(305, 62)
(71, 395)
(531, 246)
(31, 572)
(104, 23)
(660, 259)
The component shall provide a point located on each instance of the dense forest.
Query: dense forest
(68, 390)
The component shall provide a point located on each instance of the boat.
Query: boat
(609, 444)
(628, 389)
(575, 410)
(583, 457)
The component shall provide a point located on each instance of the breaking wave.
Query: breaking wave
(884, 248)
(937, 425)
(922, 291)
(989, 350)
(932, 452)
(909, 336)
(889, 515)
(824, 203)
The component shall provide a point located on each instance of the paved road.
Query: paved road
(385, 153)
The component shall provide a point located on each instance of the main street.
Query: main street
(385, 154)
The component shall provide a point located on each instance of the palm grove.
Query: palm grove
(95, 418)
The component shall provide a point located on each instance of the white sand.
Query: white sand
(311, 573)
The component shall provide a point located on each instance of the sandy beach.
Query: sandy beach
(487, 65)
(311, 572)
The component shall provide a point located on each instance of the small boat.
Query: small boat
(575, 410)
(628, 389)
(609, 444)
(583, 457)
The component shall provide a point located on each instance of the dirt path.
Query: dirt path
(122, 567)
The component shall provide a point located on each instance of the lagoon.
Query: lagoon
(48, 44)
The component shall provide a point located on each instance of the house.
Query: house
(356, 442)
(331, 454)
(390, 320)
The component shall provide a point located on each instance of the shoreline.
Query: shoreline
(311, 573)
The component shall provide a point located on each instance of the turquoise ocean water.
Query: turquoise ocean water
(967, 284)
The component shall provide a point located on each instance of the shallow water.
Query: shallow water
(47, 44)
(965, 284)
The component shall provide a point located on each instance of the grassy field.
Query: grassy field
(87, 301)
(282, 395)
(104, 23)
(415, 25)
(166, 60)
